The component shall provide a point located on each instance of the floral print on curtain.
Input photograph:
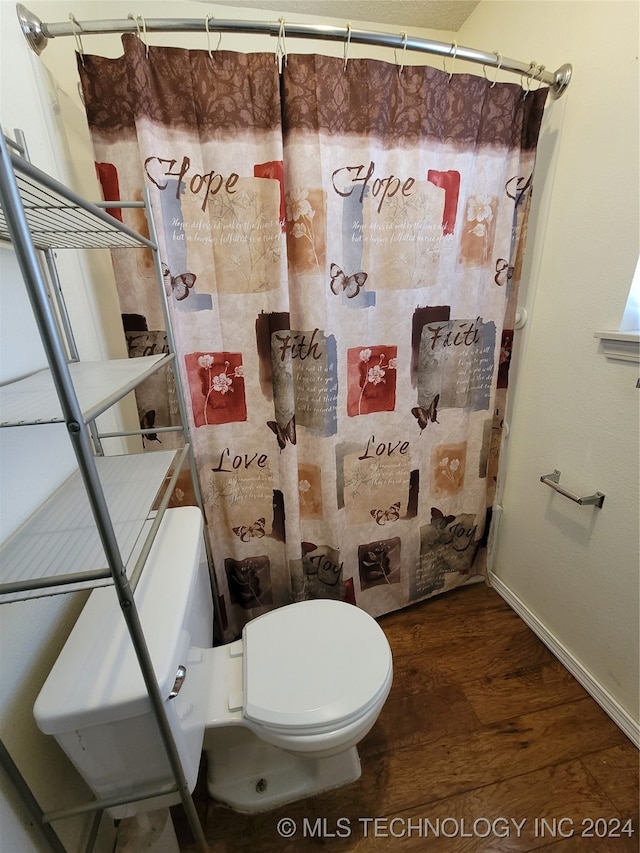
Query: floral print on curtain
(341, 250)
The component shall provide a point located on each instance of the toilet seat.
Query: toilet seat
(313, 667)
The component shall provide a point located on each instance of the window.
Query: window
(624, 344)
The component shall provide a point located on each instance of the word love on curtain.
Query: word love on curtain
(341, 251)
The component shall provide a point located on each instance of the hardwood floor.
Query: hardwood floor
(486, 743)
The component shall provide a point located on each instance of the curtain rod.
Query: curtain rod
(38, 34)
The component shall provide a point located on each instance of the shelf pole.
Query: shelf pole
(36, 288)
(65, 323)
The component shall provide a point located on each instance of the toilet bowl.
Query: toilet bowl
(300, 690)
(278, 713)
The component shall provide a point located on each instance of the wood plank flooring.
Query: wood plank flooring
(486, 744)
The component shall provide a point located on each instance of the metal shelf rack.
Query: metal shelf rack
(97, 529)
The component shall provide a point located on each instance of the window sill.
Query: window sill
(621, 346)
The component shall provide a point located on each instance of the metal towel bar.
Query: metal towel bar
(553, 481)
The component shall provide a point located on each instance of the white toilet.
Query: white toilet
(279, 712)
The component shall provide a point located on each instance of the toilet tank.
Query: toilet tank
(94, 701)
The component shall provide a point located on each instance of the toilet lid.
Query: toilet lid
(313, 664)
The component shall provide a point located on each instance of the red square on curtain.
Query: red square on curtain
(371, 380)
(216, 387)
(108, 177)
(274, 169)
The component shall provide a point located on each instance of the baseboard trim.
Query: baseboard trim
(608, 704)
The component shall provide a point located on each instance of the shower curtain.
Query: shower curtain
(341, 244)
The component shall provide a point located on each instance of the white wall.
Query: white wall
(575, 568)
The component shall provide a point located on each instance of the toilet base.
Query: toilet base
(251, 776)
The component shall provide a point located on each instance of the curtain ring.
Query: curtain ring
(538, 75)
(142, 34)
(206, 26)
(76, 35)
(404, 51)
(529, 74)
(281, 47)
(495, 76)
(346, 47)
(453, 49)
